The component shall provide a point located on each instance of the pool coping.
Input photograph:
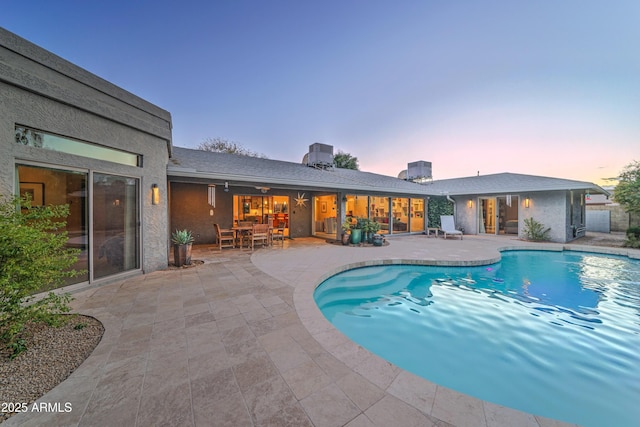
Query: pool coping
(418, 392)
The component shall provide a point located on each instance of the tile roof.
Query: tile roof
(248, 170)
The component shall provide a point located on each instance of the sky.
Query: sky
(546, 87)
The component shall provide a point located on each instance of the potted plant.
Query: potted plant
(374, 227)
(356, 231)
(182, 241)
(346, 228)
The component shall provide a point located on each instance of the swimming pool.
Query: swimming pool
(555, 334)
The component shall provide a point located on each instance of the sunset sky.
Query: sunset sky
(543, 88)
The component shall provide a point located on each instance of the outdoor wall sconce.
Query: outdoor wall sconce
(526, 202)
(211, 195)
(155, 194)
(226, 186)
(470, 203)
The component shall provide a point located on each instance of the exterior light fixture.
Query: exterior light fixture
(155, 194)
(470, 203)
(226, 186)
(211, 195)
(527, 201)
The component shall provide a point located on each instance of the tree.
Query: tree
(33, 259)
(627, 192)
(344, 160)
(221, 145)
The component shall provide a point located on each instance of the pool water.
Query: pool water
(555, 334)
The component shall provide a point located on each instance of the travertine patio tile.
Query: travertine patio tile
(500, 416)
(458, 409)
(378, 371)
(214, 386)
(392, 411)
(268, 398)
(414, 390)
(361, 391)
(255, 370)
(257, 314)
(329, 407)
(360, 421)
(208, 362)
(170, 406)
(229, 411)
(305, 379)
(289, 358)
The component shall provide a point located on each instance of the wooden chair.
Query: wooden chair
(278, 234)
(259, 233)
(226, 238)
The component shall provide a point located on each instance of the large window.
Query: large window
(261, 210)
(38, 139)
(417, 215)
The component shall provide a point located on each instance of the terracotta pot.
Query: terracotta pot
(182, 255)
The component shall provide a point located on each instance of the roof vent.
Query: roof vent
(320, 156)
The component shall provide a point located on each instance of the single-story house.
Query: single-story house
(499, 203)
(70, 137)
(311, 199)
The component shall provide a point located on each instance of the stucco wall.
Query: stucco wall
(549, 209)
(44, 92)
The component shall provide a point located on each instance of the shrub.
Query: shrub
(533, 230)
(33, 259)
(633, 238)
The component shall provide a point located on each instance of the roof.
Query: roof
(190, 163)
(247, 170)
(509, 183)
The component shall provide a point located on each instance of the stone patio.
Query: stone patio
(239, 341)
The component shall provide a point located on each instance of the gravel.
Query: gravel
(52, 355)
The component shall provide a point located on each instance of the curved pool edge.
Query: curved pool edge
(431, 399)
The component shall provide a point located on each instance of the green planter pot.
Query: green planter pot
(356, 236)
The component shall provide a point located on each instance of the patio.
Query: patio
(238, 341)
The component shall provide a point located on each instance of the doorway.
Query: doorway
(487, 216)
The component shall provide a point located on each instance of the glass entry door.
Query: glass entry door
(487, 216)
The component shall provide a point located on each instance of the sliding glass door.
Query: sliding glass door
(116, 233)
(110, 242)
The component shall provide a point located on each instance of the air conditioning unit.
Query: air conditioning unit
(419, 170)
(320, 155)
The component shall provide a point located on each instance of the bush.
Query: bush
(33, 259)
(533, 230)
(633, 238)
(633, 231)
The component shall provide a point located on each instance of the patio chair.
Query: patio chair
(447, 226)
(259, 233)
(226, 238)
(278, 233)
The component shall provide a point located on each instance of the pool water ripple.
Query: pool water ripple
(550, 333)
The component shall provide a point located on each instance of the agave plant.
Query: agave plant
(181, 237)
